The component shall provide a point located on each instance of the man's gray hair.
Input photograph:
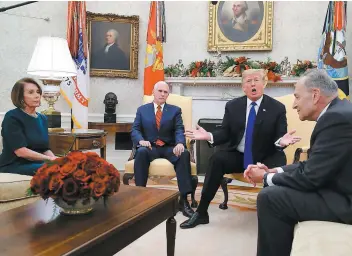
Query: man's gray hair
(115, 33)
(243, 3)
(318, 78)
(160, 83)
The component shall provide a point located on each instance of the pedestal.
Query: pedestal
(54, 121)
(109, 118)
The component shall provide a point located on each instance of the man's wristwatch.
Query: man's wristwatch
(264, 180)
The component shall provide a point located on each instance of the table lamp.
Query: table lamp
(51, 62)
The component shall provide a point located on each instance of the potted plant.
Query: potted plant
(75, 182)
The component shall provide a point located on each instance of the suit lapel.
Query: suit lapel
(242, 112)
(163, 115)
(260, 116)
(151, 112)
(317, 126)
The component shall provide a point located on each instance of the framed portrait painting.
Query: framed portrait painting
(113, 45)
(240, 26)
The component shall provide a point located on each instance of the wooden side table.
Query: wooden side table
(115, 130)
(78, 139)
(111, 127)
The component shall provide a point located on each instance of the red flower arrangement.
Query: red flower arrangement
(76, 176)
(202, 69)
(273, 70)
(300, 67)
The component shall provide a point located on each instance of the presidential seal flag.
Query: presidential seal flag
(154, 62)
(332, 51)
(75, 90)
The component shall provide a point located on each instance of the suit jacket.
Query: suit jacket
(171, 125)
(115, 58)
(328, 170)
(237, 35)
(270, 125)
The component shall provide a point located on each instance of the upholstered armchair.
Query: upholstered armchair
(160, 166)
(294, 153)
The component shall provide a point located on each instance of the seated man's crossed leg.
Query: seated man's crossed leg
(220, 163)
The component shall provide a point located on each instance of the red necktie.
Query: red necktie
(157, 119)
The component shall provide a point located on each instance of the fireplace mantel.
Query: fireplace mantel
(217, 88)
(224, 81)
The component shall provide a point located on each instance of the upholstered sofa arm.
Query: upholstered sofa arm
(133, 152)
(301, 154)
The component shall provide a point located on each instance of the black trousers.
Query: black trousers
(222, 162)
(279, 209)
(182, 165)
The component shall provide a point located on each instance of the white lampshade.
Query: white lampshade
(51, 59)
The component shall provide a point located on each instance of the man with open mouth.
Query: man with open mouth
(255, 126)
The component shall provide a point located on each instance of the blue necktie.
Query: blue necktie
(248, 157)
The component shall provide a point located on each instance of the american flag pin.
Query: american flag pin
(264, 109)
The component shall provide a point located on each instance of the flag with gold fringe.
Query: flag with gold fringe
(75, 90)
(332, 54)
(154, 61)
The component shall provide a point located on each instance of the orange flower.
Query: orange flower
(70, 190)
(194, 72)
(77, 157)
(52, 169)
(238, 69)
(55, 182)
(113, 171)
(273, 77)
(92, 165)
(241, 60)
(80, 175)
(103, 171)
(92, 155)
(68, 168)
(41, 170)
(98, 187)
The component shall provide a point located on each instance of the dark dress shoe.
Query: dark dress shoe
(195, 220)
(186, 208)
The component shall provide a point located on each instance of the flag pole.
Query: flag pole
(4, 9)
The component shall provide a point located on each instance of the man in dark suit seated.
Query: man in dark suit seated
(255, 126)
(158, 132)
(317, 189)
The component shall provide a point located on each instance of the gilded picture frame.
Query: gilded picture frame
(113, 45)
(240, 26)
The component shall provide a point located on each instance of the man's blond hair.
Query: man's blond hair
(262, 72)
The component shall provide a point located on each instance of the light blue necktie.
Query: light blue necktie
(248, 157)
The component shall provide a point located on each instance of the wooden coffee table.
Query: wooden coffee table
(36, 229)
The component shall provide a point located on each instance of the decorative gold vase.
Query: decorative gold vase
(77, 209)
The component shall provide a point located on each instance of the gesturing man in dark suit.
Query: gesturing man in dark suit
(158, 132)
(252, 125)
(316, 189)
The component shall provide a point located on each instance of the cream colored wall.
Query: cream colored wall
(296, 34)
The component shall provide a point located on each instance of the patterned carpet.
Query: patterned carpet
(243, 197)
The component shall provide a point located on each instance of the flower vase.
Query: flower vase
(82, 206)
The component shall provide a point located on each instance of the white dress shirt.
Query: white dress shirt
(269, 177)
(156, 107)
(107, 47)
